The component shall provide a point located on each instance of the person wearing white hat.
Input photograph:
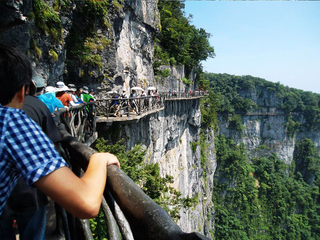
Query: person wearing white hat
(72, 87)
(63, 95)
(91, 93)
(124, 93)
(85, 96)
(86, 89)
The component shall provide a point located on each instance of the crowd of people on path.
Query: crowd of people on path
(29, 158)
(63, 96)
(137, 98)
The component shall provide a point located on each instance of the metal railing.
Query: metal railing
(121, 107)
(185, 95)
(79, 120)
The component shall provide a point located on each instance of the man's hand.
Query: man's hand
(108, 157)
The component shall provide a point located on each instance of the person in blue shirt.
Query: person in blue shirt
(25, 150)
(49, 98)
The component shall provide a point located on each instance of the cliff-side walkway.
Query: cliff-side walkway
(132, 109)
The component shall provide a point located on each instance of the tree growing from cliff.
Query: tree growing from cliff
(181, 43)
(146, 175)
(307, 161)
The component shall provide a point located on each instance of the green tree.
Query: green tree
(307, 161)
(183, 42)
(263, 198)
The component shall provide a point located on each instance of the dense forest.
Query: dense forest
(265, 198)
(229, 87)
(179, 42)
(262, 197)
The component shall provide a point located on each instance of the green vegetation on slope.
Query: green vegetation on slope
(266, 199)
(179, 42)
(147, 176)
(236, 93)
(86, 42)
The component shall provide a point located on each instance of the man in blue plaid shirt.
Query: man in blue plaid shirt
(25, 151)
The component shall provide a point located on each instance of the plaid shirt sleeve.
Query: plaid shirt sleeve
(32, 151)
(25, 151)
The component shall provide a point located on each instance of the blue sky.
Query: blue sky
(275, 40)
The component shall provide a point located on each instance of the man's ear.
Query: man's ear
(21, 94)
(18, 99)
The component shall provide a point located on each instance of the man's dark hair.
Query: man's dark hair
(15, 72)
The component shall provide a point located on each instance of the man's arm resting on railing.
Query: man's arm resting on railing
(79, 196)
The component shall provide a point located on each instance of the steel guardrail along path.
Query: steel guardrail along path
(127, 107)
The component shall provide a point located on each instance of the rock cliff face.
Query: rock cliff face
(127, 36)
(265, 131)
(129, 28)
(167, 136)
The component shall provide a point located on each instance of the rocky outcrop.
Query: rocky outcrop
(129, 28)
(265, 130)
(14, 25)
(167, 136)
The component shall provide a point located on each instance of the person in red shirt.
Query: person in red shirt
(63, 96)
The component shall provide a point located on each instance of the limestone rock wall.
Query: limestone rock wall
(266, 128)
(167, 136)
(126, 61)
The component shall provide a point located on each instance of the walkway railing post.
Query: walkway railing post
(139, 106)
(129, 107)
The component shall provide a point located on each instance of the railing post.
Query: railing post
(139, 106)
(129, 107)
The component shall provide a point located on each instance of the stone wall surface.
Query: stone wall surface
(127, 61)
(167, 137)
(270, 131)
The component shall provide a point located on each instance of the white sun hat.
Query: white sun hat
(85, 89)
(61, 87)
(50, 89)
(72, 87)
